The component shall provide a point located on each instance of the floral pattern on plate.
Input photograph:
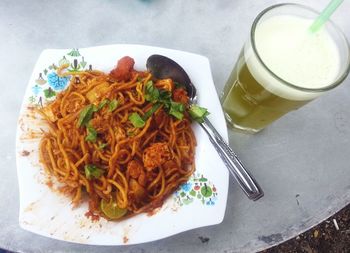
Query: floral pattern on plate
(48, 81)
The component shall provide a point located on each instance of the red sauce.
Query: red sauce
(92, 216)
(125, 239)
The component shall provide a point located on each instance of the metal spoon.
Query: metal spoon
(162, 67)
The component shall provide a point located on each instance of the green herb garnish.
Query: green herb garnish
(86, 115)
(93, 171)
(179, 85)
(102, 104)
(113, 105)
(177, 109)
(151, 92)
(162, 97)
(198, 113)
(149, 113)
(91, 133)
(136, 120)
(102, 145)
(165, 98)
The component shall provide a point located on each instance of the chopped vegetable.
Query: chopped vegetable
(179, 85)
(98, 92)
(93, 171)
(151, 92)
(149, 113)
(86, 115)
(111, 210)
(102, 104)
(136, 120)
(91, 133)
(176, 109)
(198, 113)
(113, 105)
(165, 98)
(162, 97)
(102, 145)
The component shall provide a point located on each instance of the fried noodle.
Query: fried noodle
(139, 166)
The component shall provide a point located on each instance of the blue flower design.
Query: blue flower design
(214, 198)
(210, 203)
(36, 89)
(56, 82)
(186, 187)
(197, 188)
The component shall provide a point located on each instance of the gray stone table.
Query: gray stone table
(301, 161)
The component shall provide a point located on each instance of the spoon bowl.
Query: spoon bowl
(163, 67)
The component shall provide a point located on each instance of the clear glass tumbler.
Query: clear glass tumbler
(283, 66)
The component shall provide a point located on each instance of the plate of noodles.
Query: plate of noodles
(109, 155)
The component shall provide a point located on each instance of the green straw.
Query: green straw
(324, 16)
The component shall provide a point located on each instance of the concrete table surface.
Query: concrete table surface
(301, 161)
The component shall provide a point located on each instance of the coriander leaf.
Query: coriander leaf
(91, 133)
(93, 171)
(102, 104)
(94, 108)
(176, 109)
(151, 111)
(102, 145)
(165, 98)
(164, 95)
(136, 120)
(179, 85)
(86, 115)
(151, 92)
(198, 113)
(113, 105)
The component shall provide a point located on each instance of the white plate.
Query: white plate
(200, 202)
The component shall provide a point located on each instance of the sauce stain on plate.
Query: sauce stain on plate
(32, 206)
(25, 153)
(126, 236)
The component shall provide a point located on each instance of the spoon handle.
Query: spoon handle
(246, 181)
